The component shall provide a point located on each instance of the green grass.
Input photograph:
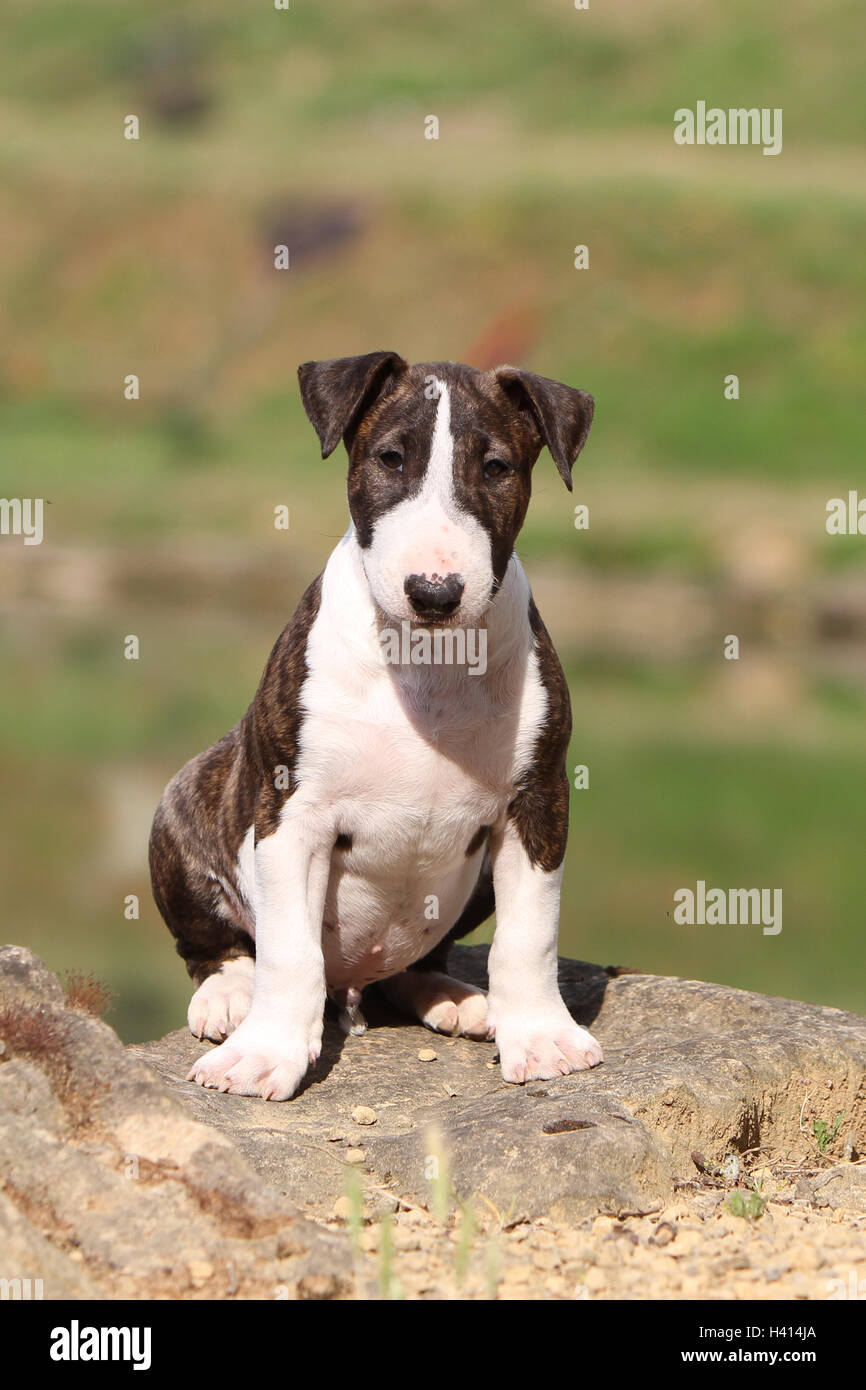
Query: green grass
(659, 816)
(551, 64)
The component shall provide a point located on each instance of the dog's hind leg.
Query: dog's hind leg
(223, 1000)
(427, 992)
(219, 954)
(440, 1002)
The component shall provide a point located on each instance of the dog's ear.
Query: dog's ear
(561, 415)
(334, 393)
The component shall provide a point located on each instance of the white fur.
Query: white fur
(222, 1001)
(269, 1053)
(537, 1037)
(445, 1005)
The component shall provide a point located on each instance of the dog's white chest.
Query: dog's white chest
(413, 767)
(411, 791)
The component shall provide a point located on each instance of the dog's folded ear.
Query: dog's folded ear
(561, 415)
(335, 393)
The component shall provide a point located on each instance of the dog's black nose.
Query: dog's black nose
(436, 597)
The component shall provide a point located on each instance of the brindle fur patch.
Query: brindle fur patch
(540, 808)
(208, 808)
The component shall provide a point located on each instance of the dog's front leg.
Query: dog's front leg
(270, 1052)
(536, 1036)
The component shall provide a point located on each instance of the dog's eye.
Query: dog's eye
(391, 458)
(494, 468)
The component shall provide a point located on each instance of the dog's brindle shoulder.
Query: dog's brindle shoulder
(362, 813)
(208, 808)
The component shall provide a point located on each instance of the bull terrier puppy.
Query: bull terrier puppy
(365, 812)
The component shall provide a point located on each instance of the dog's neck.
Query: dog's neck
(363, 626)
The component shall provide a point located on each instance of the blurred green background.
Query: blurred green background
(707, 516)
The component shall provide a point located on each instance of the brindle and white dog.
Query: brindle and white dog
(301, 854)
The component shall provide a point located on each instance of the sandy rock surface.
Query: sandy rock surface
(715, 1154)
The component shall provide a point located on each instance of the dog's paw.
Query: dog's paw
(445, 1005)
(541, 1046)
(222, 1002)
(461, 1011)
(270, 1064)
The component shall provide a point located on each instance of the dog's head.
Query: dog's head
(440, 470)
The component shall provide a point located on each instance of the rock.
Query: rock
(200, 1271)
(383, 1204)
(109, 1189)
(664, 1233)
(363, 1115)
(427, 1054)
(843, 1188)
(120, 1179)
(688, 1066)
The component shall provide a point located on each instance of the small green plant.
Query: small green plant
(389, 1285)
(748, 1205)
(465, 1238)
(355, 1198)
(825, 1134)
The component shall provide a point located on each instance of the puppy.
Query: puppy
(373, 804)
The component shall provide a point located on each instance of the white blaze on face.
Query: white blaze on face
(429, 534)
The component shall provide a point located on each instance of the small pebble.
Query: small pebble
(426, 1054)
(199, 1271)
(355, 1155)
(342, 1209)
(414, 1216)
(664, 1233)
(385, 1204)
(363, 1115)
